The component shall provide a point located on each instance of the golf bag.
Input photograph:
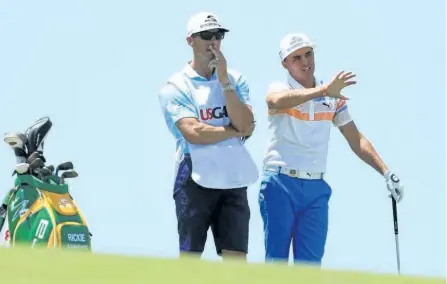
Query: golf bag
(39, 210)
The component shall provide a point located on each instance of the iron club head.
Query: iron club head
(45, 173)
(34, 156)
(68, 174)
(64, 167)
(35, 165)
(51, 168)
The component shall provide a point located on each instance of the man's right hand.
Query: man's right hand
(340, 81)
(249, 131)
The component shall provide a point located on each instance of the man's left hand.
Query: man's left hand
(220, 63)
(394, 185)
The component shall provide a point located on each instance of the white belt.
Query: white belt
(294, 172)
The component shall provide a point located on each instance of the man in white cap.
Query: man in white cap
(293, 195)
(207, 108)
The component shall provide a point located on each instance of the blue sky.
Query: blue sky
(95, 67)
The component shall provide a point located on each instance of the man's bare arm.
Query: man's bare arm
(240, 114)
(362, 147)
(292, 98)
(196, 132)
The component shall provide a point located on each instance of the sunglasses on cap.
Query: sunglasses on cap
(208, 35)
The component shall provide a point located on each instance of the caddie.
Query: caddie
(207, 108)
(293, 194)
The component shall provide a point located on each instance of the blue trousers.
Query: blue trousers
(294, 212)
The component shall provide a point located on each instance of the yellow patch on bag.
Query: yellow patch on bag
(62, 203)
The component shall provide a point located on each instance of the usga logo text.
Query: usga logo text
(213, 113)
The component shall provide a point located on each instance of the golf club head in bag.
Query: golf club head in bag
(21, 168)
(68, 174)
(35, 155)
(65, 166)
(35, 166)
(36, 135)
(45, 173)
(17, 141)
(29, 143)
(51, 168)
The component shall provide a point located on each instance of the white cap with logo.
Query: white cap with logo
(204, 21)
(292, 42)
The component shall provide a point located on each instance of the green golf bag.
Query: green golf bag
(42, 214)
(39, 210)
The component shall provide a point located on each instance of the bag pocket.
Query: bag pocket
(73, 235)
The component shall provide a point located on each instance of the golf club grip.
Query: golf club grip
(396, 227)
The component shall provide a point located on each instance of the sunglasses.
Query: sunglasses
(207, 35)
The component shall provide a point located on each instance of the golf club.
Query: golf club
(64, 167)
(51, 168)
(396, 233)
(21, 168)
(37, 133)
(68, 174)
(45, 173)
(17, 142)
(36, 165)
(34, 156)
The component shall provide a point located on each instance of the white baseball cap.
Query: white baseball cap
(292, 42)
(204, 21)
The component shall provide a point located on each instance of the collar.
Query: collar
(295, 85)
(191, 73)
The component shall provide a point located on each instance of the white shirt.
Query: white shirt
(299, 136)
(223, 165)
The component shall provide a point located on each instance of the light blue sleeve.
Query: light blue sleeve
(175, 105)
(243, 93)
(243, 90)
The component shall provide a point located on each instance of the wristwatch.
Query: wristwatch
(228, 87)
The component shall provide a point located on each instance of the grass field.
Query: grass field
(38, 266)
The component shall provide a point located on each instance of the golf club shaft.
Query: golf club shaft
(396, 233)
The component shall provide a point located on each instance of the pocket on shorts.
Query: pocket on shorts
(268, 178)
(329, 188)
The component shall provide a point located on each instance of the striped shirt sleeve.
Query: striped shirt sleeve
(342, 115)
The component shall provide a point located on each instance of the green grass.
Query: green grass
(44, 266)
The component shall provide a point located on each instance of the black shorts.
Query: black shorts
(225, 211)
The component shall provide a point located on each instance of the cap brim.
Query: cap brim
(207, 29)
(311, 45)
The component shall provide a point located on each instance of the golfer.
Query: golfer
(293, 195)
(207, 109)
